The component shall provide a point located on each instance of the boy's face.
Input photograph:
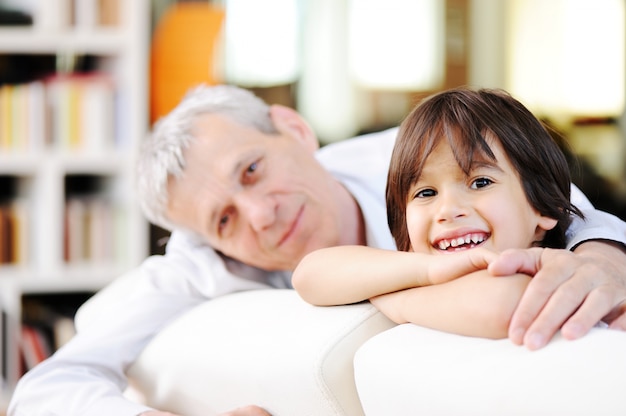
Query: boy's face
(259, 198)
(448, 210)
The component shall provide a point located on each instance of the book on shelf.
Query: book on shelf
(35, 346)
(38, 342)
(82, 111)
(90, 230)
(88, 14)
(22, 117)
(59, 15)
(46, 327)
(14, 231)
(4, 339)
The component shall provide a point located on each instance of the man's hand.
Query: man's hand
(571, 291)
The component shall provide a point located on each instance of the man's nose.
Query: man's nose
(451, 205)
(260, 210)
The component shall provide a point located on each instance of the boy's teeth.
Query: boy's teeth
(477, 238)
(459, 241)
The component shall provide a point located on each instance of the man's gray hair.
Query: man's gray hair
(162, 154)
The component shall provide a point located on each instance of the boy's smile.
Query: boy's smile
(461, 242)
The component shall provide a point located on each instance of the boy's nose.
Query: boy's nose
(451, 206)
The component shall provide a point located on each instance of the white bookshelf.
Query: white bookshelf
(44, 178)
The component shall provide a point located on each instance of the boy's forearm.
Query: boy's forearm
(348, 274)
(475, 305)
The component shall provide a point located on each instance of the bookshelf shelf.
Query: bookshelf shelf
(69, 222)
(108, 41)
(19, 163)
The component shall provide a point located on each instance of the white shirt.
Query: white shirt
(87, 376)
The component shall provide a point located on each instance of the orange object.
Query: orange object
(183, 47)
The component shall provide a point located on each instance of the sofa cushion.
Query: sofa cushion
(419, 371)
(264, 347)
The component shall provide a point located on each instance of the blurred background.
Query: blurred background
(82, 81)
(355, 66)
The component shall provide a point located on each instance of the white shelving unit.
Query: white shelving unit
(44, 179)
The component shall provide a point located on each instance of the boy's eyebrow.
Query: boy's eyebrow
(477, 164)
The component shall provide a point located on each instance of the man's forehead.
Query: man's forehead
(221, 126)
(221, 142)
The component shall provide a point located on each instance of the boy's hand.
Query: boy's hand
(454, 265)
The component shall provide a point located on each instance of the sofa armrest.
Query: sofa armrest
(414, 370)
(265, 347)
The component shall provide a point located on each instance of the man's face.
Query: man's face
(261, 199)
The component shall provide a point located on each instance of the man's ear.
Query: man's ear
(289, 123)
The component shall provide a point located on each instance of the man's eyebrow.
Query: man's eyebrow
(210, 227)
(215, 208)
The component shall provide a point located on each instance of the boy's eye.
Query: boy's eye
(481, 183)
(426, 193)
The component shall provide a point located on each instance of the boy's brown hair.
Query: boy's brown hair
(466, 118)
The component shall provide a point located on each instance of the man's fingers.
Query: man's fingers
(619, 322)
(596, 305)
(545, 305)
(565, 300)
(513, 261)
(533, 302)
(571, 291)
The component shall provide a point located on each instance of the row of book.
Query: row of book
(14, 232)
(56, 15)
(91, 227)
(66, 112)
(44, 329)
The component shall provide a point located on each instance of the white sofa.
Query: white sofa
(292, 358)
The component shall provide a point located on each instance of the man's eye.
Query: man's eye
(426, 193)
(223, 222)
(481, 183)
(252, 168)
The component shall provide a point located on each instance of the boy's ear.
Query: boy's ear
(544, 224)
(289, 123)
(547, 223)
